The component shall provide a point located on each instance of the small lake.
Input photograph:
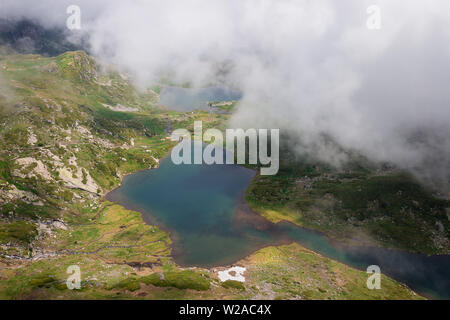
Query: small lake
(203, 209)
(188, 99)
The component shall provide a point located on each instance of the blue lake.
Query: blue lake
(203, 209)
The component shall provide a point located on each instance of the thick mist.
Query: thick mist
(310, 68)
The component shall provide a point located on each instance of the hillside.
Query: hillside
(62, 144)
(361, 204)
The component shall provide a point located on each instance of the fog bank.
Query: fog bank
(310, 68)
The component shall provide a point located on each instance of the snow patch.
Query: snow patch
(236, 276)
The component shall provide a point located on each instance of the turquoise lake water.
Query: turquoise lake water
(189, 99)
(203, 209)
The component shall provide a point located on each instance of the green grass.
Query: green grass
(185, 279)
(19, 232)
(130, 284)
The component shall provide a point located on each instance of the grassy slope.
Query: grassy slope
(292, 271)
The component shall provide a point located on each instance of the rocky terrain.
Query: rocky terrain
(361, 204)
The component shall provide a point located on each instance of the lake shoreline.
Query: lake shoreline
(278, 229)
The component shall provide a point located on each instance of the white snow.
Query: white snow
(225, 275)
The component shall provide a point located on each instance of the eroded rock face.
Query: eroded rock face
(39, 169)
(87, 184)
(59, 225)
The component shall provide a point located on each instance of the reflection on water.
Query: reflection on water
(203, 208)
(187, 99)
